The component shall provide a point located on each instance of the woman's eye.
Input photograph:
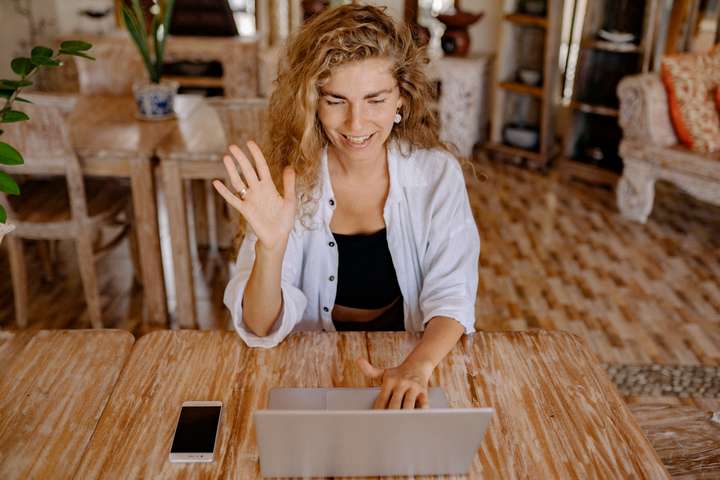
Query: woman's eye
(377, 101)
(330, 102)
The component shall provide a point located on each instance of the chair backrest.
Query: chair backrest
(44, 141)
(117, 65)
(45, 144)
(242, 119)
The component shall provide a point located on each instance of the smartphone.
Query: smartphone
(196, 432)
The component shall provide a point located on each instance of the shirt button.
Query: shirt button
(325, 309)
(331, 278)
(332, 244)
(332, 202)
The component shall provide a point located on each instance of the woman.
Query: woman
(379, 235)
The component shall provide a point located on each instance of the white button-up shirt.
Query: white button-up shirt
(432, 238)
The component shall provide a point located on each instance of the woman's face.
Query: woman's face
(357, 107)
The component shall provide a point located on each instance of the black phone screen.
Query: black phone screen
(196, 429)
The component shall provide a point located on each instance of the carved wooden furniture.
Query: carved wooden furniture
(103, 77)
(650, 151)
(592, 137)
(64, 207)
(557, 413)
(528, 42)
(237, 55)
(195, 153)
(462, 105)
(54, 386)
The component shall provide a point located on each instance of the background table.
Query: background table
(111, 141)
(557, 413)
(54, 386)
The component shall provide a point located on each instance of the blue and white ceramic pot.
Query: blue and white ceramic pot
(155, 100)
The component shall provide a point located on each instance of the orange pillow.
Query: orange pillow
(690, 80)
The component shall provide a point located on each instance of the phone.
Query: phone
(196, 432)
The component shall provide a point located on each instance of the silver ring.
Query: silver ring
(242, 192)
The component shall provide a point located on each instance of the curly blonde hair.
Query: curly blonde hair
(337, 36)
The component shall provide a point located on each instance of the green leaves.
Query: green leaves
(76, 48)
(22, 66)
(9, 156)
(136, 28)
(8, 185)
(3, 214)
(10, 116)
(42, 56)
(14, 84)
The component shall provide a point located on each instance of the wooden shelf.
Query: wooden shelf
(528, 20)
(522, 88)
(612, 47)
(596, 109)
(515, 151)
(188, 81)
(574, 169)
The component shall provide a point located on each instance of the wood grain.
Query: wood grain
(557, 414)
(55, 385)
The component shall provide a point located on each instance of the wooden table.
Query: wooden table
(54, 386)
(557, 413)
(111, 141)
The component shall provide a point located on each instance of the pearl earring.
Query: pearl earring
(398, 117)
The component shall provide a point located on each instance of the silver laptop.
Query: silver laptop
(333, 432)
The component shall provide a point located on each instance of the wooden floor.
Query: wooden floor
(554, 255)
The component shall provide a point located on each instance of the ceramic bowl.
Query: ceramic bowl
(521, 136)
(529, 76)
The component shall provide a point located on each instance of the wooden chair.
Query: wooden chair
(226, 121)
(56, 203)
(117, 65)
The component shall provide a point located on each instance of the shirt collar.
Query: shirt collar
(395, 156)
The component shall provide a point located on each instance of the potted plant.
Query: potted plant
(25, 68)
(154, 98)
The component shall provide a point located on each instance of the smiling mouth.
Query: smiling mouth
(357, 140)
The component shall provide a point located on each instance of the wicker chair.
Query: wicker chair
(56, 203)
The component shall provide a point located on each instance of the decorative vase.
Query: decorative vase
(5, 228)
(155, 100)
(456, 39)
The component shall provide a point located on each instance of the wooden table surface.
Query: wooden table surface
(111, 141)
(54, 386)
(557, 414)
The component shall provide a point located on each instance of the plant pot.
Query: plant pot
(5, 228)
(155, 100)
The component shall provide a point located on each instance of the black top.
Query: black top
(366, 275)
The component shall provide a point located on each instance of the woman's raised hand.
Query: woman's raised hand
(270, 215)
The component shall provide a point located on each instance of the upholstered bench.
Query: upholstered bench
(651, 152)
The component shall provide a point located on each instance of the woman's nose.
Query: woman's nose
(355, 119)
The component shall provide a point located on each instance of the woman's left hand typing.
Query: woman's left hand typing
(405, 386)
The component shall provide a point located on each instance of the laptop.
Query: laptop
(333, 432)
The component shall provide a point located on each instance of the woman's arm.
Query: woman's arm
(406, 385)
(262, 299)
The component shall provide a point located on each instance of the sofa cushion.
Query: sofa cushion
(691, 81)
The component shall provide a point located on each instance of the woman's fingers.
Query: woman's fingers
(382, 399)
(246, 167)
(228, 196)
(260, 163)
(397, 397)
(422, 400)
(233, 174)
(410, 398)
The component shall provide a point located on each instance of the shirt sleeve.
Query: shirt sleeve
(293, 299)
(450, 263)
